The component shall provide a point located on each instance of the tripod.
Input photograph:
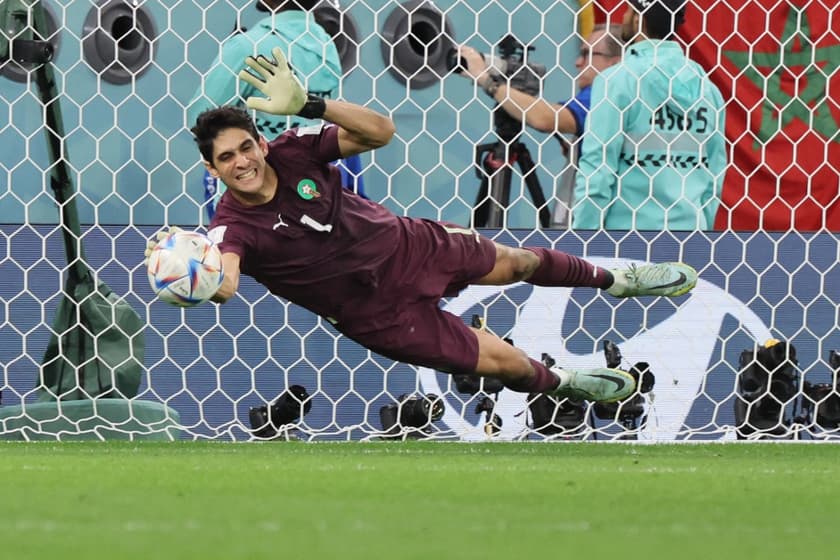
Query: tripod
(495, 174)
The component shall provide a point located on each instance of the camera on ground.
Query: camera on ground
(411, 416)
(821, 401)
(768, 381)
(274, 420)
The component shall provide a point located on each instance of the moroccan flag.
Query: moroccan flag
(776, 65)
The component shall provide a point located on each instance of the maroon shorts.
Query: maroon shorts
(440, 263)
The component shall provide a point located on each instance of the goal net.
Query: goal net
(748, 354)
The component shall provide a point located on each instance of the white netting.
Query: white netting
(126, 77)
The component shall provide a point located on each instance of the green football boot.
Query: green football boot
(599, 384)
(663, 279)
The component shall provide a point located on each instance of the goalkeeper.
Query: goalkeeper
(378, 277)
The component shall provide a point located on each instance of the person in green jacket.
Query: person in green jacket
(654, 151)
(290, 25)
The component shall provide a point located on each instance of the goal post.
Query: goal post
(232, 372)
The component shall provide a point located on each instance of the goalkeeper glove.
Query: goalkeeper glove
(284, 93)
(152, 243)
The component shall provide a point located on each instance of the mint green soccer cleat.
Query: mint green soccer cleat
(599, 384)
(662, 279)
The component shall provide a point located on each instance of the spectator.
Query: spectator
(291, 26)
(654, 153)
(600, 50)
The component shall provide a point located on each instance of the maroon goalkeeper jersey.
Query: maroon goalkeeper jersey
(331, 251)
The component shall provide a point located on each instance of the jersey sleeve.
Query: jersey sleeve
(578, 106)
(318, 143)
(230, 238)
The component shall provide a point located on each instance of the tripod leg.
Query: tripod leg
(494, 193)
(481, 209)
(526, 166)
(499, 197)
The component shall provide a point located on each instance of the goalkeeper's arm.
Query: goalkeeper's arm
(361, 129)
(230, 264)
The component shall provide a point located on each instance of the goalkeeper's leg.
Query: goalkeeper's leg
(548, 267)
(518, 372)
(423, 334)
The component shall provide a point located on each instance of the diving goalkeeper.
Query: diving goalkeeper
(377, 277)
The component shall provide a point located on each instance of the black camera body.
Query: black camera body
(767, 381)
(472, 384)
(822, 400)
(271, 421)
(551, 416)
(411, 416)
(629, 412)
(510, 66)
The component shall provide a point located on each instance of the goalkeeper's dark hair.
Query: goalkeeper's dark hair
(211, 122)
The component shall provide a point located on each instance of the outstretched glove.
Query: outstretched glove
(284, 93)
(152, 243)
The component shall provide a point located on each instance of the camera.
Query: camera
(821, 401)
(413, 412)
(493, 422)
(512, 66)
(630, 412)
(551, 416)
(268, 420)
(767, 382)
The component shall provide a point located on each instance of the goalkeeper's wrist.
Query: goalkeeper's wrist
(313, 108)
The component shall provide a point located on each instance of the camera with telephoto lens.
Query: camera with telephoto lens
(551, 416)
(413, 415)
(767, 382)
(511, 66)
(821, 401)
(268, 421)
(630, 412)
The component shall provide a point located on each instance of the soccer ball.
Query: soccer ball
(185, 268)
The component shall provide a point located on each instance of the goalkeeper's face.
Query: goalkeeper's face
(239, 161)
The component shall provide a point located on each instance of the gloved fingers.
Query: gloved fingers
(259, 104)
(246, 76)
(268, 66)
(279, 58)
(159, 236)
(255, 65)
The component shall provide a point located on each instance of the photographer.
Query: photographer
(598, 52)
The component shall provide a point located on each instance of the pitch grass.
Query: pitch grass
(284, 501)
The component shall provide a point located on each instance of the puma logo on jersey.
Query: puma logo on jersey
(280, 222)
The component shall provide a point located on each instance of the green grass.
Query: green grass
(284, 501)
